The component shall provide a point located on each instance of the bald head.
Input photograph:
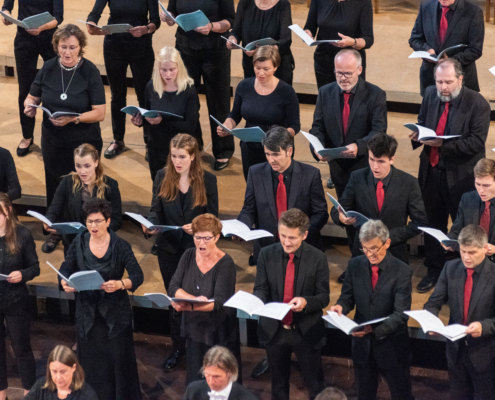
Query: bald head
(348, 67)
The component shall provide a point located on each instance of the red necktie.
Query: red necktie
(345, 112)
(444, 24)
(281, 196)
(485, 218)
(468, 289)
(374, 276)
(442, 123)
(380, 195)
(289, 288)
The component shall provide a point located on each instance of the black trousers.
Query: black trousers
(155, 164)
(279, 351)
(168, 265)
(468, 384)
(285, 71)
(213, 65)
(26, 52)
(18, 321)
(59, 161)
(439, 205)
(120, 53)
(252, 154)
(324, 61)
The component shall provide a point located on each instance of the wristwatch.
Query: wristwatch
(355, 42)
(78, 119)
(123, 285)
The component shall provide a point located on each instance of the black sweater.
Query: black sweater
(38, 393)
(9, 182)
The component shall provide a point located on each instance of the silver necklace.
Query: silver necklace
(63, 96)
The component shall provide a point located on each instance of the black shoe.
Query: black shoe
(426, 284)
(341, 278)
(154, 250)
(51, 243)
(172, 362)
(25, 151)
(219, 165)
(251, 261)
(116, 151)
(261, 369)
(330, 184)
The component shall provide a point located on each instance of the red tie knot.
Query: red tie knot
(445, 10)
(281, 178)
(470, 272)
(374, 268)
(379, 184)
(447, 105)
(291, 257)
(346, 97)
(487, 205)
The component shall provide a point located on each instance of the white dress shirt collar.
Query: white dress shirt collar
(222, 395)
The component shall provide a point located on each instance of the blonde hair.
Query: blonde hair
(7, 210)
(267, 53)
(183, 80)
(66, 356)
(82, 151)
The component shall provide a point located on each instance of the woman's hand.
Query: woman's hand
(188, 229)
(94, 30)
(149, 231)
(165, 18)
(230, 46)
(137, 119)
(139, 31)
(181, 306)
(30, 111)
(67, 288)
(5, 22)
(111, 286)
(155, 121)
(346, 41)
(202, 298)
(62, 121)
(249, 53)
(48, 229)
(229, 124)
(14, 277)
(34, 32)
(309, 33)
(205, 30)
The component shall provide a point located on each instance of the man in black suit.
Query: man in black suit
(383, 192)
(446, 165)
(445, 23)
(293, 272)
(468, 287)
(478, 207)
(348, 113)
(378, 285)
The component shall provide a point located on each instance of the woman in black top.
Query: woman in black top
(205, 272)
(351, 21)
(254, 20)
(76, 189)
(9, 182)
(171, 90)
(205, 56)
(29, 44)
(18, 260)
(121, 50)
(263, 101)
(105, 345)
(67, 83)
(181, 191)
(64, 379)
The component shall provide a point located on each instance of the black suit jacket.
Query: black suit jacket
(459, 156)
(450, 290)
(391, 297)
(312, 283)
(368, 116)
(172, 213)
(403, 200)
(67, 205)
(306, 193)
(466, 27)
(199, 391)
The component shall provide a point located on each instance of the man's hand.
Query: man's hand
(433, 142)
(67, 288)
(414, 136)
(474, 329)
(137, 119)
(447, 248)
(336, 308)
(352, 150)
(346, 220)
(431, 52)
(237, 238)
(320, 157)
(188, 229)
(490, 249)
(14, 277)
(48, 229)
(367, 329)
(149, 231)
(298, 304)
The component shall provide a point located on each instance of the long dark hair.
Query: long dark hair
(11, 222)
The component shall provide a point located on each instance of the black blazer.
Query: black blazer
(306, 194)
(163, 212)
(9, 182)
(391, 297)
(403, 200)
(198, 390)
(450, 290)
(471, 119)
(466, 27)
(312, 283)
(67, 205)
(368, 116)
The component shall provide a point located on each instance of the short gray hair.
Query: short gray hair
(278, 138)
(450, 61)
(473, 235)
(355, 53)
(331, 393)
(374, 228)
(221, 357)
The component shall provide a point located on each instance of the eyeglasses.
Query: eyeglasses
(339, 74)
(94, 222)
(372, 251)
(205, 238)
(71, 48)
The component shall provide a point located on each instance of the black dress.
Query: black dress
(58, 143)
(9, 182)
(353, 18)
(105, 346)
(204, 330)
(39, 393)
(14, 308)
(281, 107)
(252, 23)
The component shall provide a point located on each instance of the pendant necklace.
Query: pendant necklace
(63, 96)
